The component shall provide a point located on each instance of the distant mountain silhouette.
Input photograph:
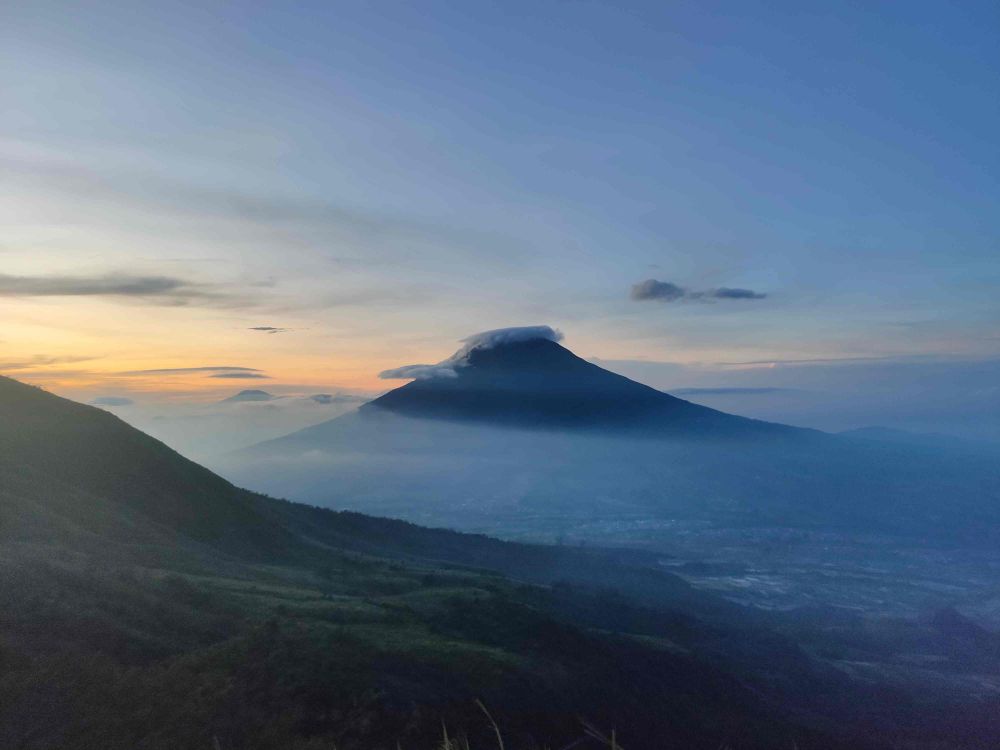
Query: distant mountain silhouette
(537, 383)
(251, 394)
(515, 420)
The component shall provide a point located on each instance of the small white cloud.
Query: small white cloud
(499, 336)
(112, 401)
(444, 369)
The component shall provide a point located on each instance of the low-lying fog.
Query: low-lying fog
(203, 431)
(850, 522)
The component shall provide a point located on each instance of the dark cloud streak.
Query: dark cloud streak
(182, 370)
(724, 292)
(664, 291)
(41, 360)
(268, 329)
(729, 391)
(241, 375)
(175, 290)
(667, 291)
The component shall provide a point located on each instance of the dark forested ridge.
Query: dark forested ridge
(148, 603)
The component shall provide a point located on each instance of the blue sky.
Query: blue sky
(385, 178)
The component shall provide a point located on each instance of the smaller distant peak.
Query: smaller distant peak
(251, 394)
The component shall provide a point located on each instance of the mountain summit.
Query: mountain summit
(523, 377)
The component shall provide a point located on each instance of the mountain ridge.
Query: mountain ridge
(133, 577)
(515, 426)
(536, 383)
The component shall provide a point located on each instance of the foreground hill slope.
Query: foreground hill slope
(79, 468)
(149, 603)
(58, 444)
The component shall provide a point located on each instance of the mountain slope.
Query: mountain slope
(70, 466)
(65, 444)
(537, 383)
(139, 611)
(145, 607)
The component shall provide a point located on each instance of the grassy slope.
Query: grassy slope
(148, 603)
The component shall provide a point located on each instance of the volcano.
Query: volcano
(522, 377)
(517, 436)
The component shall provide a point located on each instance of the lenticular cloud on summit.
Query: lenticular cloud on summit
(485, 340)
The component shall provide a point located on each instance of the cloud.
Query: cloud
(420, 372)
(726, 391)
(241, 375)
(828, 360)
(448, 368)
(500, 336)
(182, 370)
(340, 398)
(40, 360)
(256, 217)
(112, 401)
(162, 290)
(667, 291)
(268, 329)
(660, 290)
(724, 292)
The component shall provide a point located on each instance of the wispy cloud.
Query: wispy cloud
(486, 340)
(161, 290)
(667, 291)
(268, 329)
(725, 292)
(183, 370)
(728, 391)
(829, 360)
(385, 235)
(241, 376)
(112, 401)
(40, 360)
(339, 398)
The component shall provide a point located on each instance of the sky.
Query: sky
(298, 196)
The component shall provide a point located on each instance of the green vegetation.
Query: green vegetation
(146, 603)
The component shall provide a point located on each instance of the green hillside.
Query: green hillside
(147, 603)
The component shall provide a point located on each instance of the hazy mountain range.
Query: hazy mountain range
(207, 429)
(515, 434)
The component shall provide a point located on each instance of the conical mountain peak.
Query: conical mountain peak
(523, 377)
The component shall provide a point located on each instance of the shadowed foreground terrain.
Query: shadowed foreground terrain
(146, 602)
